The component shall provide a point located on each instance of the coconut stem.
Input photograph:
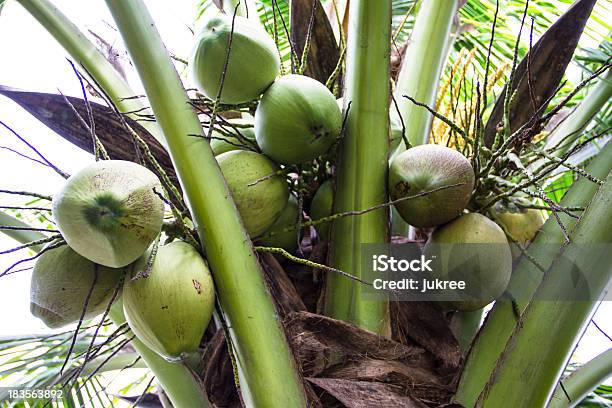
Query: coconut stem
(555, 324)
(571, 128)
(267, 371)
(421, 67)
(24, 236)
(177, 380)
(361, 181)
(582, 381)
(465, 325)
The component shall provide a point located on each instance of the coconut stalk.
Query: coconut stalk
(85, 54)
(572, 126)
(582, 381)
(501, 320)
(266, 368)
(20, 235)
(246, 8)
(465, 325)
(422, 65)
(362, 172)
(554, 325)
(178, 381)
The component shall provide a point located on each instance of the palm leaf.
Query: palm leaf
(539, 74)
(35, 361)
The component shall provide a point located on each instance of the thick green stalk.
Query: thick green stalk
(572, 126)
(247, 8)
(85, 53)
(543, 340)
(361, 180)
(178, 382)
(21, 236)
(500, 322)
(268, 376)
(465, 325)
(422, 65)
(582, 381)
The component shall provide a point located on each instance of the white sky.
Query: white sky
(30, 59)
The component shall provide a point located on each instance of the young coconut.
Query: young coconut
(109, 212)
(259, 194)
(61, 282)
(169, 303)
(253, 59)
(297, 120)
(321, 207)
(427, 168)
(486, 267)
(521, 224)
(276, 236)
(234, 141)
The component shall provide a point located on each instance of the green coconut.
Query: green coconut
(169, 306)
(276, 236)
(221, 143)
(321, 207)
(109, 211)
(486, 268)
(396, 134)
(253, 59)
(297, 120)
(522, 224)
(426, 168)
(61, 282)
(259, 195)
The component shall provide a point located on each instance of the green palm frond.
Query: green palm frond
(590, 58)
(601, 397)
(35, 362)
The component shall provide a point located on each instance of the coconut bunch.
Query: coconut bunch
(279, 158)
(268, 156)
(110, 216)
(431, 187)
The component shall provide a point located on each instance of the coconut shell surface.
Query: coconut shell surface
(486, 267)
(322, 206)
(169, 306)
(297, 120)
(61, 281)
(259, 194)
(253, 61)
(109, 212)
(520, 223)
(428, 168)
(276, 236)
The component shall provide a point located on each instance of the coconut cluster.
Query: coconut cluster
(110, 215)
(297, 120)
(431, 186)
